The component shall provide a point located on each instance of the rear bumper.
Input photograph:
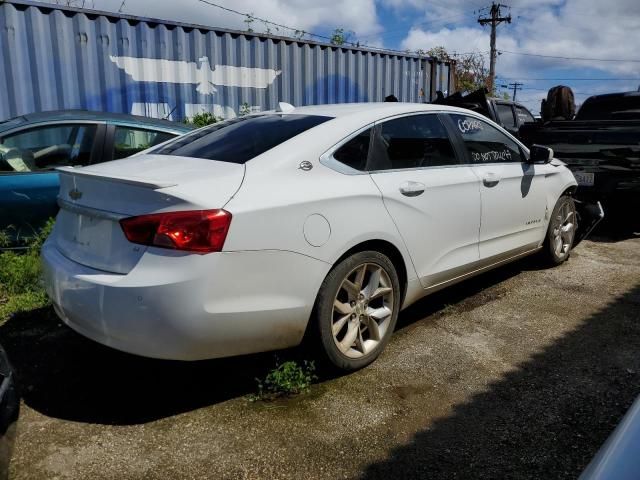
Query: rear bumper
(609, 184)
(188, 307)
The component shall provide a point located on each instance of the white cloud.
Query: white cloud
(564, 28)
(355, 15)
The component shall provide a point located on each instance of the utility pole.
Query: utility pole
(495, 20)
(516, 86)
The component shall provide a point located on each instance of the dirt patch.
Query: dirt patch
(519, 373)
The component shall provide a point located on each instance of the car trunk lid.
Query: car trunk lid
(93, 200)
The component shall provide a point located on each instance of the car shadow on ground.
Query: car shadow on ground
(67, 376)
(544, 420)
(615, 229)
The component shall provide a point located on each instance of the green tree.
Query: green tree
(202, 119)
(249, 22)
(340, 37)
(471, 72)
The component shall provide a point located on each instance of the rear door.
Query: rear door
(432, 198)
(28, 183)
(512, 191)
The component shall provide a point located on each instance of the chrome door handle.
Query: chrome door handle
(412, 189)
(490, 179)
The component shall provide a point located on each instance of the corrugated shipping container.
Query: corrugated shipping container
(57, 57)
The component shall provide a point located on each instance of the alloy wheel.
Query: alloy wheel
(362, 310)
(564, 230)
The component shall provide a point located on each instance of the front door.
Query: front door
(513, 195)
(432, 198)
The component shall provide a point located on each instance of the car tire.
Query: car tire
(357, 309)
(561, 232)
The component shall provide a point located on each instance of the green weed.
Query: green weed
(286, 379)
(20, 277)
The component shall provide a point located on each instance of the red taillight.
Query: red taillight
(201, 231)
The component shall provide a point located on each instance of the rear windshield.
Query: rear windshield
(241, 139)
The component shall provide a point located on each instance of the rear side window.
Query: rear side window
(45, 148)
(354, 153)
(415, 141)
(241, 139)
(505, 114)
(129, 140)
(484, 142)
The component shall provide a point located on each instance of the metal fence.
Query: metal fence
(57, 57)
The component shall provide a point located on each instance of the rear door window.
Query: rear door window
(45, 148)
(355, 152)
(414, 141)
(130, 140)
(241, 139)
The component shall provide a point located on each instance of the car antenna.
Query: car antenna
(169, 114)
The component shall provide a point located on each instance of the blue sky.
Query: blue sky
(553, 28)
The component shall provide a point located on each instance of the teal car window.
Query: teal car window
(130, 140)
(45, 148)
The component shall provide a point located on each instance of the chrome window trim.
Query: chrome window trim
(327, 159)
(493, 124)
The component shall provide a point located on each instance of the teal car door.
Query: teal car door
(28, 183)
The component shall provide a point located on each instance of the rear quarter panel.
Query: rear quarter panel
(274, 206)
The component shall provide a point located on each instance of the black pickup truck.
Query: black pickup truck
(508, 114)
(602, 148)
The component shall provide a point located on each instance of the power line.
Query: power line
(571, 58)
(268, 22)
(572, 79)
(516, 86)
(394, 33)
(302, 32)
(545, 90)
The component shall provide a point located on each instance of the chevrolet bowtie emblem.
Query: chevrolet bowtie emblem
(75, 194)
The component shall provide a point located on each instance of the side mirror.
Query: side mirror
(540, 154)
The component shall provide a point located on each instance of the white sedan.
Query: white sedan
(242, 236)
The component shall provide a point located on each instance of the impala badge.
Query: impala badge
(75, 194)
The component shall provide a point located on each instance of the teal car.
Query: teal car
(33, 146)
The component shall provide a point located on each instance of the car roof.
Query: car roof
(373, 109)
(86, 115)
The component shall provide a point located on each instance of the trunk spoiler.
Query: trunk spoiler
(589, 215)
(153, 184)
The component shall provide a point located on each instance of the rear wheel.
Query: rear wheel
(357, 309)
(561, 232)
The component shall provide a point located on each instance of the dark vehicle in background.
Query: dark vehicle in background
(508, 114)
(601, 145)
(9, 408)
(32, 146)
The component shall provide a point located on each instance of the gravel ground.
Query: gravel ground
(519, 373)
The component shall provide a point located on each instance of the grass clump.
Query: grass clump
(286, 379)
(20, 277)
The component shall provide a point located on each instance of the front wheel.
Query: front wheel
(357, 309)
(561, 232)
